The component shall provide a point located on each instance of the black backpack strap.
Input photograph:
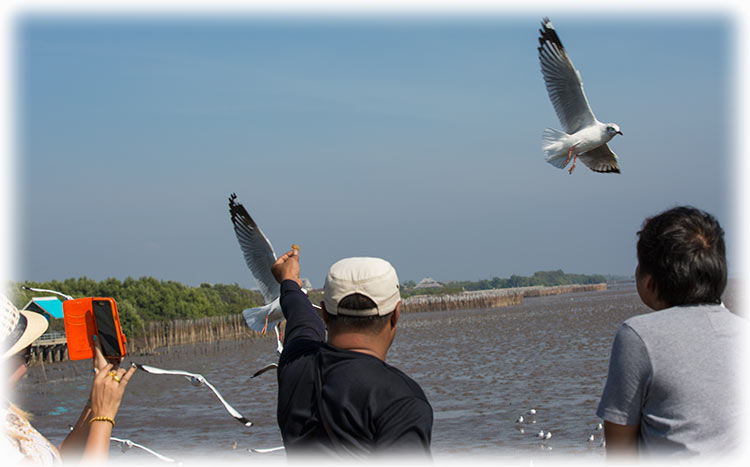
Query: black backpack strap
(322, 410)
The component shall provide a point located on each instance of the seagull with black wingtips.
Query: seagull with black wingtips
(584, 137)
(259, 256)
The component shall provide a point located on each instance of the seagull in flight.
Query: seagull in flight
(584, 137)
(197, 380)
(259, 256)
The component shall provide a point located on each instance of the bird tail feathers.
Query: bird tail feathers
(255, 318)
(555, 147)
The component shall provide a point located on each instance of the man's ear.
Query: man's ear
(325, 313)
(650, 284)
(395, 315)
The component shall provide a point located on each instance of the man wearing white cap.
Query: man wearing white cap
(340, 396)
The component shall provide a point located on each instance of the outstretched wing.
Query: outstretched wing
(256, 248)
(266, 450)
(563, 81)
(200, 380)
(158, 371)
(601, 159)
(269, 367)
(232, 411)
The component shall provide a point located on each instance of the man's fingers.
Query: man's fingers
(285, 257)
(290, 253)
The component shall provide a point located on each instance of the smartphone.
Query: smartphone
(86, 317)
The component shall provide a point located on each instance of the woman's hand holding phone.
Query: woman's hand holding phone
(109, 384)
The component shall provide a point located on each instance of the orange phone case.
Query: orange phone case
(80, 326)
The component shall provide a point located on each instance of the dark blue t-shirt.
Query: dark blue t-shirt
(370, 406)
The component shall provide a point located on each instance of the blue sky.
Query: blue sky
(416, 139)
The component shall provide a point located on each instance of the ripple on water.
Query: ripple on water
(480, 370)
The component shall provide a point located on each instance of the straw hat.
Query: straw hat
(18, 328)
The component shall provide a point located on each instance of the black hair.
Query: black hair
(683, 251)
(366, 324)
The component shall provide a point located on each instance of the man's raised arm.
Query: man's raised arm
(302, 319)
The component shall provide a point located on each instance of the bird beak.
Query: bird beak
(619, 133)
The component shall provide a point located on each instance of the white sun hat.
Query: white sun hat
(18, 328)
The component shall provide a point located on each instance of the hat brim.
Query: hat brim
(36, 324)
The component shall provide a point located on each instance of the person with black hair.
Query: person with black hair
(672, 386)
(338, 397)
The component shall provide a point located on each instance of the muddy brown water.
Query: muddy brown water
(480, 370)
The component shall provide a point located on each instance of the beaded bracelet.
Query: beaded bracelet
(102, 419)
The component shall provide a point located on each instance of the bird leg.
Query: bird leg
(570, 154)
(572, 167)
(265, 326)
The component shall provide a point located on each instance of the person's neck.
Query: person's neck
(356, 342)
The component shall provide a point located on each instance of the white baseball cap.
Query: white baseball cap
(374, 278)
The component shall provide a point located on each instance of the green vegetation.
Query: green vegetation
(148, 299)
(539, 278)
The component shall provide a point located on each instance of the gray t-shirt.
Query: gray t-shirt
(674, 373)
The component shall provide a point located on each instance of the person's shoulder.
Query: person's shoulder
(367, 371)
(667, 316)
(407, 381)
(682, 319)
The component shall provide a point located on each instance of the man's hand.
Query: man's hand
(287, 267)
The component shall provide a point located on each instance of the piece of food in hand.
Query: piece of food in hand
(295, 247)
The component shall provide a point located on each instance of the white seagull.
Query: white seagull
(259, 256)
(584, 135)
(197, 380)
(126, 444)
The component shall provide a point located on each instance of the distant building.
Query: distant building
(47, 306)
(428, 283)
